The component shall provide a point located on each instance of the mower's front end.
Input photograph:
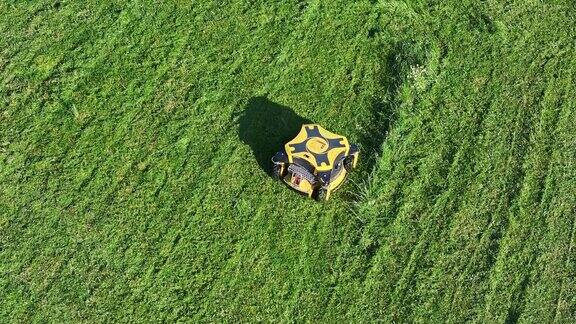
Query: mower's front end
(296, 176)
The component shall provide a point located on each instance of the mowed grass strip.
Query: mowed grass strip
(129, 189)
(468, 239)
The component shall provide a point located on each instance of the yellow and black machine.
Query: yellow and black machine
(315, 162)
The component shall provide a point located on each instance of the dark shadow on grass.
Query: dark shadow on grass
(399, 61)
(383, 112)
(266, 126)
(398, 64)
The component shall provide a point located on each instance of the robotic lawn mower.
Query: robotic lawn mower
(315, 162)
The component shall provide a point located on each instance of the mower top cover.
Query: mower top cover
(317, 146)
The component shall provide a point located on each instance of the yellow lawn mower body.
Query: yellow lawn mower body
(315, 162)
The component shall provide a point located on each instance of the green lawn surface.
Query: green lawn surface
(135, 138)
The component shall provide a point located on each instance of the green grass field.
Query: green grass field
(134, 147)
